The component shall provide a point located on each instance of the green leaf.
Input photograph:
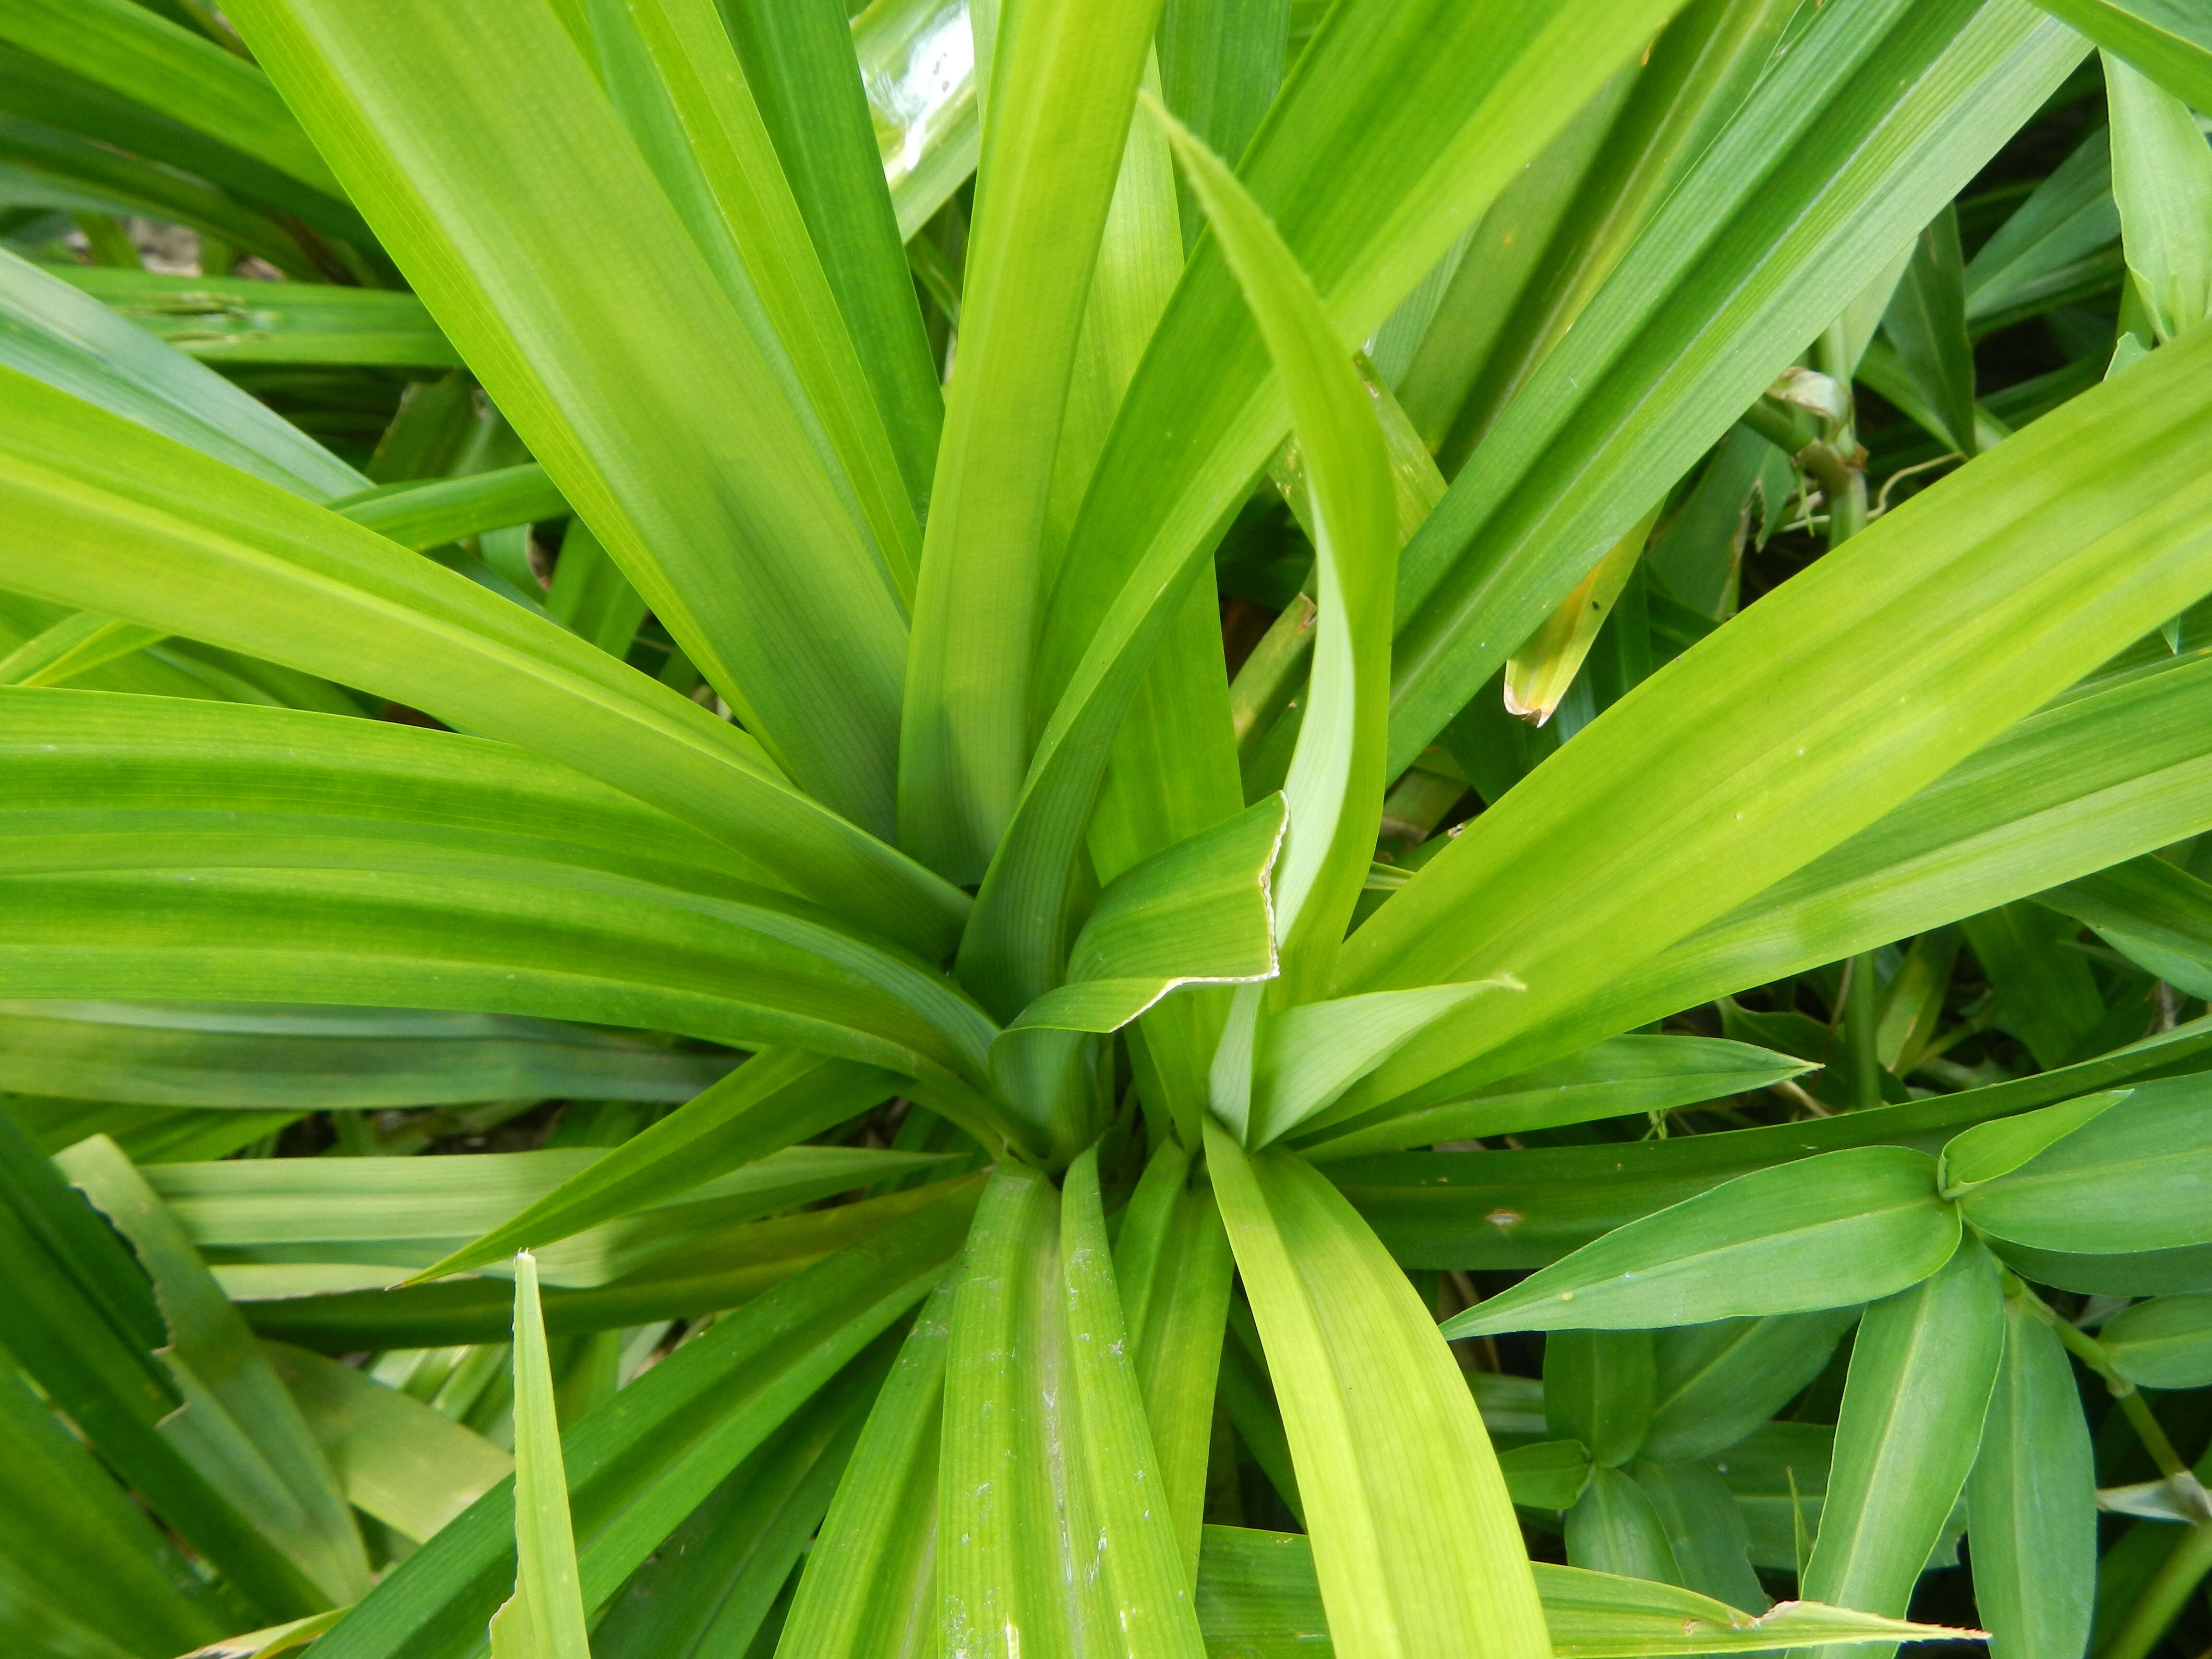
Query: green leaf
(234, 1057)
(1256, 1596)
(1765, 241)
(2162, 181)
(774, 1100)
(301, 1306)
(1172, 1263)
(1990, 1150)
(626, 372)
(710, 1588)
(73, 646)
(1197, 912)
(1548, 1475)
(1614, 1528)
(2031, 1512)
(1883, 708)
(1599, 1388)
(1522, 1209)
(869, 1582)
(422, 514)
(68, 1528)
(1716, 1383)
(2136, 1178)
(1617, 1077)
(2164, 1343)
(1051, 151)
(1926, 322)
(1704, 1528)
(400, 1460)
(545, 1618)
(1922, 1371)
(120, 511)
(671, 70)
(841, 150)
(1048, 1463)
(52, 332)
(2164, 38)
(2064, 235)
(1829, 1231)
(1415, 1545)
(237, 319)
(152, 61)
(639, 1464)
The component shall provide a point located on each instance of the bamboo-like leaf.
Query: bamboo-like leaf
(2134, 1178)
(1926, 322)
(1598, 1390)
(1990, 1150)
(1844, 1228)
(1716, 1383)
(2032, 1505)
(1922, 1371)
(2164, 1343)
(422, 514)
(2162, 182)
(1415, 1545)
(236, 319)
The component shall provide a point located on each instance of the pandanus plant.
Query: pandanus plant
(877, 721)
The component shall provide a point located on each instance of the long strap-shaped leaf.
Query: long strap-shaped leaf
(2101, 777)
(2164, 38)
(1052, 149)
(108, 515)
(1335, 787)
(490, 160)
(1656, 820)
(1765, 242)
(1393, 134)
(639, 1464)
(1415, 1542)
(1053, 1535)
(544, 1619)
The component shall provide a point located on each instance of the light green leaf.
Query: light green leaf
(2138, 1177)
(1172, 1262)
(184, 74)
(120, 512)
(1990, 1150)
(234, 1057)
(52, 332)
(1416, 1548)
(1307, 1055)
(1827, 1232)
(76, 645)
(2162, 180)
(626, 371)
(917, 63)
(422, 514)
(1257, 1595)
(2164, 1343)
(2032, 1508)
(1051, 152)
(1613, 1078)
(1765, 240)
(546, 1619)
(774, 1100)
(411, 1467)
(1882, 709)
(1922, 1371)
(237, 319)
(273, 1639)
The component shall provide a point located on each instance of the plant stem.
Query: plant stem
(2164, 1597)
(1861, 1017)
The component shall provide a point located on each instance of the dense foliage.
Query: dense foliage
(808, 849)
